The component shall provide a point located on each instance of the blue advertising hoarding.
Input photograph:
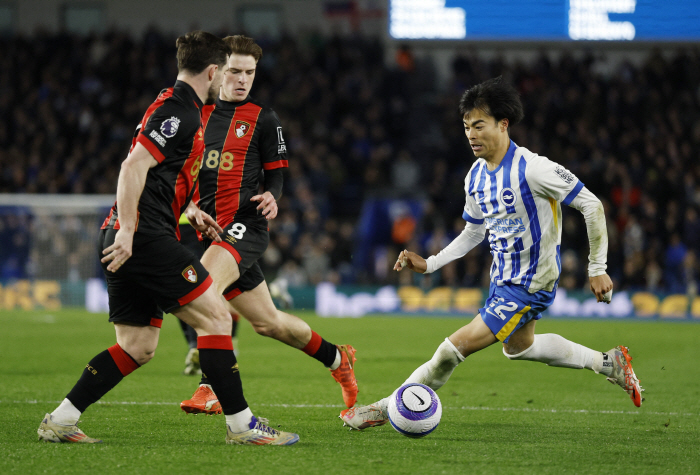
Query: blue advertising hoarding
(546, 20)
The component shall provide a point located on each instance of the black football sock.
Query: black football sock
(101, 374)
(219, 364)
(320, 349)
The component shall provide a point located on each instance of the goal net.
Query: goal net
(48, 248)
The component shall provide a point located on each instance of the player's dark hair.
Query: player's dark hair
(243, 45)
(494, 97)
(197, 50)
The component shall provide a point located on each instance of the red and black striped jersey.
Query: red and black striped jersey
(171, 130)
(241, 139)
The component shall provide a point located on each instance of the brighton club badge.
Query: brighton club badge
(242, 128)
(190, 274)
(169, 127)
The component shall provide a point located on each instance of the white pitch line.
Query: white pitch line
(332, 406)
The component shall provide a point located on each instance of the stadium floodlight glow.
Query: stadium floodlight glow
(412, 19)
(588, 20)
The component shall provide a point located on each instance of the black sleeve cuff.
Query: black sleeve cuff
(273, 182)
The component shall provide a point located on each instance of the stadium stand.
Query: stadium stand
(358, 128)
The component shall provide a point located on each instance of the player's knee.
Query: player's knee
(142, 354)
(516, 351)
(220, 322)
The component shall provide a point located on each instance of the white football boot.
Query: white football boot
(362, 417)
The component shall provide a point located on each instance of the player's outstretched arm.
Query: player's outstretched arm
(132, 179)
(411, 260)
(594, 214)
(202, 222)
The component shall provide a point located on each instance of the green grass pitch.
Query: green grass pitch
(498, 416)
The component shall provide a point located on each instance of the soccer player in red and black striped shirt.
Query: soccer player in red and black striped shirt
(242, 139)
(148, 271)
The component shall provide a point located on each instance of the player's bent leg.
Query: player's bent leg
(554, 350)
(222, 266)
(434, 373)
(473, 337)
(256, 306)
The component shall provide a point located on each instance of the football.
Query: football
(414, 410)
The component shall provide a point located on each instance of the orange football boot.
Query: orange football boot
(345, 374)
(203, 401)
(623, 374)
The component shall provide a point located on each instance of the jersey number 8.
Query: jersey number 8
(213, 160)
(237, 230)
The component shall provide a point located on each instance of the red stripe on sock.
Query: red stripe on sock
(313, 345)
(214, 342)
(235, 317)
(124, 362)
(156, 322)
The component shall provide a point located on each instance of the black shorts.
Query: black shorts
(160, 276)
(246, 243)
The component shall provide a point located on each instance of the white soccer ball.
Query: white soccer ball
(414, 410)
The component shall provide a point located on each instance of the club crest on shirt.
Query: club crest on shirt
(508, 197)
(241, 128)
(190, 274)
(169, 127)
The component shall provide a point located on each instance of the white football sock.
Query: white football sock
(384, 404)
(66, 413)
(555, 350)
(435, 372)
(240, 421)
(338, 360)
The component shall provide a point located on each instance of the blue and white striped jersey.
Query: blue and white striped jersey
(519, 203)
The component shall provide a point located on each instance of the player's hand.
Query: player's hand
(267, 204)
(411, 260)
(203, 223)
(601, 284)
(120, 251)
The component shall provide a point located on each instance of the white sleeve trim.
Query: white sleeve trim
(468, 239)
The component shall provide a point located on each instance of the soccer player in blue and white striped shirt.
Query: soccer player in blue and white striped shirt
(516, 195)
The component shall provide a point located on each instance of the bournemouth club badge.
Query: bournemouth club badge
(242, 128)
(190, 274)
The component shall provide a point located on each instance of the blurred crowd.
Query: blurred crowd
(361, 126)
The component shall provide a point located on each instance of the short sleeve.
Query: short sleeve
(552, 180)
(167, 127)
(273, 149)
(472, 212)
